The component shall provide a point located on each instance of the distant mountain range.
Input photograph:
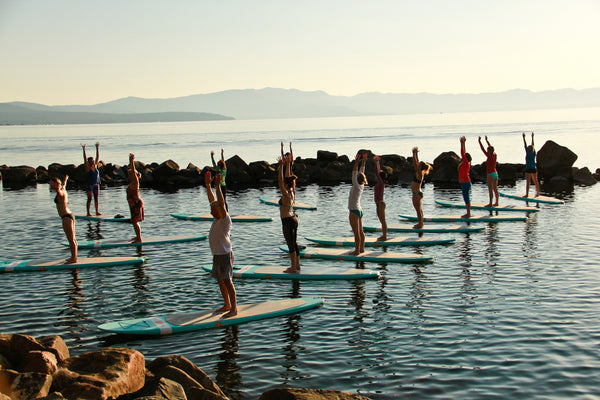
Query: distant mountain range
(289, 103)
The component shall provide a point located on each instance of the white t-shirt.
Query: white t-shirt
(218, 237)
(356, 191)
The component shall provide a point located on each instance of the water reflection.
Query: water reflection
(93, 231)
(73, 316)
(467, 288)
(228, 375)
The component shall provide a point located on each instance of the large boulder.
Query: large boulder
(18, 176)
(101, 374)
(43, 362)
(237, 172)
(165, 171)
(583, 176)
(554, 160)
(445, 168)
(56, 345)
(30, 385)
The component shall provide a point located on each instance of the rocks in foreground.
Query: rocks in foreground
(42, 368)
(555, 165)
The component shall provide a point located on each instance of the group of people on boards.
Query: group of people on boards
(219, 235)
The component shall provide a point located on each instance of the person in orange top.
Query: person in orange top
(463, 176)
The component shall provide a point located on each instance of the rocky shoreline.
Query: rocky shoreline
(43, 369)
(555, 168)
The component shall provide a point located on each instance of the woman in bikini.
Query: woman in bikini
(530, 167)
(68, 220)
(492, 173)
(358, 185)
(136, 205)
(421, 169)
(289, 220)
(378, 190)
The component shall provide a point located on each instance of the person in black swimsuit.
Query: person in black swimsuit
(68, 220)
(92, 178)
(421, 169)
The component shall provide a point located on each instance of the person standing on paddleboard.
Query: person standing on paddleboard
(358, 185)
(421, 169)
(289, 219)
(492, 172)
(221, 168)
(464, 178)
(136, 205)
(220, 245)
(67, 217)
(530, 167)
(378, 197)
(92, 179)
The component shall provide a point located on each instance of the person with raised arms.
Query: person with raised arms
(378, 190)
(92, 179)
(68, 220)
(464, 178)
(220, 245)
(492, 172)
(358, 185)
(421, 169)
(289, 219)
(221, 168)
(530, 167)
(136, 205)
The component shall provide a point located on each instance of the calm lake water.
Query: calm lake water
(511, 312)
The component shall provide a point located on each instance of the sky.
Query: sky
(65, 52)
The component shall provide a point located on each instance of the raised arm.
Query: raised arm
(223, 158)
(220, 198)
(212, 158)
(132, 171)
(280, 179)
(463, 149)
(207, 181)
(363, 162)
(86, 166)
(64, 185)
(481, 146)
(488, 142)
(415, 157)
(97, 152)
(377, 168)
(291, 164)
(532, 144)
(524, 140)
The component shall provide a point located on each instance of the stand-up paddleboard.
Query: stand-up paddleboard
(147, 241)
(482, 206)
(105, 218)
(275, 272)
(373, 242)
(193, 321)
(534, 199)
(425, 229)
(208, 217)
(331, 253)
(297, 206)
(458, 218)
(82, 262)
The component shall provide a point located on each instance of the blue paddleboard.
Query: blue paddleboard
(373, 242)
(147, 241)
(297, 206)
(208, 217)
(533, 199)
(193, 321)
(104, 218)
(425, 229)
(482, 206)
(275, 272)
(82, 262)
(458, 218)
(332, 253)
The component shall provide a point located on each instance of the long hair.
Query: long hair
(426, 168)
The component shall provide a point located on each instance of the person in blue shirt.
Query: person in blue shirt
(530, 166)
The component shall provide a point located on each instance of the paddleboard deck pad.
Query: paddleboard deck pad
(207, 319)
(297, 206)
(276, 272)
(375, 256)
(482, 206)
(106, 218)
(425, 229)
(147, 241)
(373, 242)
(458, 218)
(82, 262)
(208, 217)
(534, 199)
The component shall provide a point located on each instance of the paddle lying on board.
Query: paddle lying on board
(458, 218)
(318, 273)
(208, 217)
(147, 241)
(105, 218)
(482, 206)
(375, 256)
(373, 242)
(82, 262)
(198, 320)
(425, 229)
(297, 206)
(534, 199)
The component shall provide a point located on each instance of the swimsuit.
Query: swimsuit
(68, 215)
(530, 166)
(136, 205)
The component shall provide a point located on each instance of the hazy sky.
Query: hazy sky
(87, 52)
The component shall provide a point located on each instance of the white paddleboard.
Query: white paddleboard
(459, 218)
(319, 273)
(147, 241)
(105, 218)
(331, 253)
(82, 262)
(425, 229)
(208, 217)
(297, 206)
(373, 242)
(533, 199)
(483, 206)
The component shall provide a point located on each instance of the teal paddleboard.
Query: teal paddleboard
(533, 199)
(147, 241)
(425, 229)
(275, 272)
(482, 206)
(207, 319)
(330, 253)
(373, 242)
(458, 218)
(297, 206)
(82, 262)
(208, 217)
(105, 218)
